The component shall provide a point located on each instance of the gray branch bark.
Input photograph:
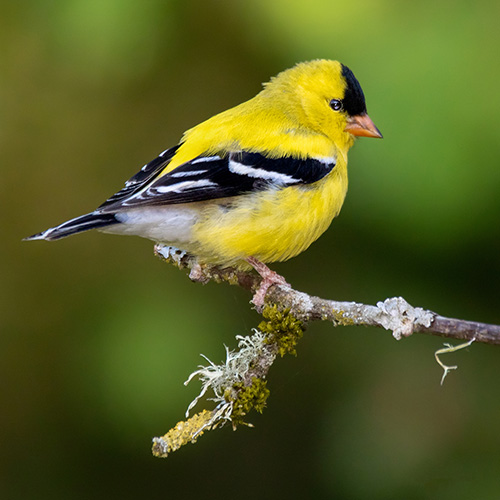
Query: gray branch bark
(393, 314)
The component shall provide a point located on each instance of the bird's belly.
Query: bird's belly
(168, 224)
(273, 225)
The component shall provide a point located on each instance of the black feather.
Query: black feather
(354, 99)
(141, 178)
(210, 178)
(85, 222)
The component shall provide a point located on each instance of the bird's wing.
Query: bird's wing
(146, 175)
(213, 177)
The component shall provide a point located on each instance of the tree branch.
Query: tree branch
(392, 314)
(239, 384)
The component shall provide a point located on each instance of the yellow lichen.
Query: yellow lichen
(340, 318)
(184, 432)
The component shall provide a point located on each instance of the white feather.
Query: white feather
(260, 173)
(187, 173)
(182, 186)
(168, 224)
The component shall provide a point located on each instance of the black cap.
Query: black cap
(354, 99)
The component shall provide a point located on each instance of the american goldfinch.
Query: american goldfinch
(255, 184)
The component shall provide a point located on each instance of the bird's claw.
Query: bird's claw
(269, 278)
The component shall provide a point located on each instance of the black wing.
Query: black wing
(213, 177)
(142, 178)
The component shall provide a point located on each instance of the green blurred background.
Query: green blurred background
(97, 335)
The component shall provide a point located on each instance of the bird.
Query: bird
(255, 184)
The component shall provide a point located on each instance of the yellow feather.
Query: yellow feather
(273, 225)
(290, 117)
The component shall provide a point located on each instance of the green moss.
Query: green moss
(252, 397)
(282, 329)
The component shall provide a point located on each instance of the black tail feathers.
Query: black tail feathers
(85, 222)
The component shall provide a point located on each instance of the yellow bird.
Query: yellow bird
(255, 184)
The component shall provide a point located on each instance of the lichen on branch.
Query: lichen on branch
(238, 385)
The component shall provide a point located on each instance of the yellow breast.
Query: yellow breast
(272, 225)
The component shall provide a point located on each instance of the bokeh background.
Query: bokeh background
(97, 335)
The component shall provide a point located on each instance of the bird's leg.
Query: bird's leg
(269, 278)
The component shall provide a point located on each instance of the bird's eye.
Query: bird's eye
(336, 105)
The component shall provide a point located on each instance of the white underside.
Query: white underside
(170, 224)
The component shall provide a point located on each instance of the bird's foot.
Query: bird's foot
(269, 278)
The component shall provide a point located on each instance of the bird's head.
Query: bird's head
(328, 99)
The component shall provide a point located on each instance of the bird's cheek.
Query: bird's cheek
(338, 134)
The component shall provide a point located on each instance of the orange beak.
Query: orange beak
(362, 125)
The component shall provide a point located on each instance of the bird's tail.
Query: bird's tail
(85, 222)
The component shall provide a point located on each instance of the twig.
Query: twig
(446, 350)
